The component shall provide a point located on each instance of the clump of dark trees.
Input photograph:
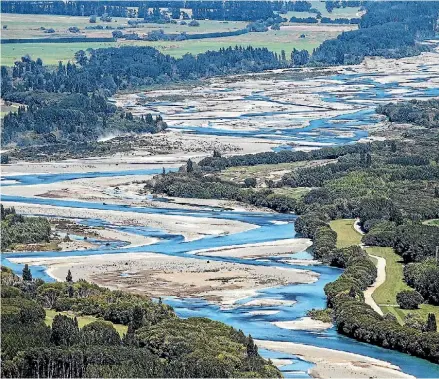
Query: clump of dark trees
(50, 118)
(196, 185)
(391, 29)
(19, 229)
(423, 113)
(157, 343)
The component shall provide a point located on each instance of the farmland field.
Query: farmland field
(29, 26)
(348, 12)
(298, 36)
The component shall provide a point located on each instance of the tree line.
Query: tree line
(212, 10)
(391, 29)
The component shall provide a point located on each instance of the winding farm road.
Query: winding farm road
(380, 279)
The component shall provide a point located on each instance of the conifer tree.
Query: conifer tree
(431, 323)
(27, 275)
(69, 277)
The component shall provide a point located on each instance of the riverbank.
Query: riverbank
(170, 148)
(337, 364)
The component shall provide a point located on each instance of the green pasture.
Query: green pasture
(82, 320)
(28, 26)
(384, 295)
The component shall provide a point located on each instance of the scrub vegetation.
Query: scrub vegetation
(18, 229)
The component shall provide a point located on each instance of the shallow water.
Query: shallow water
(271, 227)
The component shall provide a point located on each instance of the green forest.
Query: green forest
(157, 344)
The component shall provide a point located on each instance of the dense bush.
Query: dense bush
(409, 299)
(357, 320)
(157, 344)
(284, 156)
(416, 242)
(423, 113)
(424, 277)
(389, 29)
(51, 118)
(17, 229)
(204, 187)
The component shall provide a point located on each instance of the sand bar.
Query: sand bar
(187, 226)
(160, 275)
(337, 364)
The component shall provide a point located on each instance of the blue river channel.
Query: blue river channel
(271, 227)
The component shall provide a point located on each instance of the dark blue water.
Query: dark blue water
(268, 228)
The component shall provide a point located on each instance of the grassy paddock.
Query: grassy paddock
(82, 320)
(5, 109)
(348, 12)
(262, 171)
(27, 26)
(346, 234)
(295, 193)
(384, 295)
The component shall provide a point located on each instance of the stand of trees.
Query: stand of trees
(157, 344)
(18, 229)
(195, 185)
(69, 103)
(52, 118)
(423, 276)
(418, 112)
(216, 163)
(391, 29)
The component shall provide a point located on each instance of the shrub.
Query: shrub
(250, 182)
(409, 299)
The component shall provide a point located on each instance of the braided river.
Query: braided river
(342, 113)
